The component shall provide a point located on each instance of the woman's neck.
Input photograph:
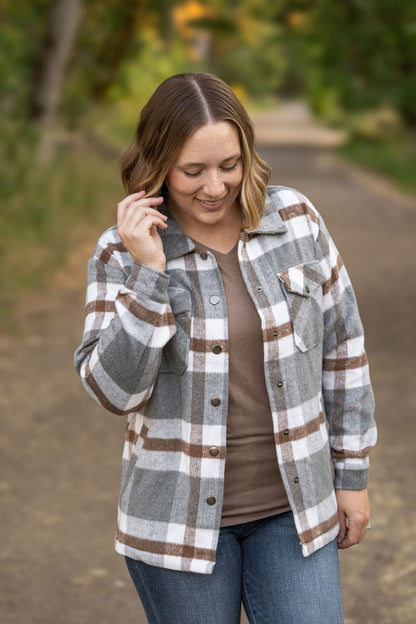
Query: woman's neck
(221, 237)
(222, 241)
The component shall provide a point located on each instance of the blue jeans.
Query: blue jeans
(259, 563)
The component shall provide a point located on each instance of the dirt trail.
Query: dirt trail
(60, 452)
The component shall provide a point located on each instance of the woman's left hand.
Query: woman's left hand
(353, 516)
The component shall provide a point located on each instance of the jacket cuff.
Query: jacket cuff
(148, 282)
(350, 479)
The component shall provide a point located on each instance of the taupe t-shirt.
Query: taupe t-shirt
(253, 484)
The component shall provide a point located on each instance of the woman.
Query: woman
(221, 320)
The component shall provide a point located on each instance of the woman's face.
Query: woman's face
(205, 181)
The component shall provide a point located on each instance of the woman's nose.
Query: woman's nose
(214, 186)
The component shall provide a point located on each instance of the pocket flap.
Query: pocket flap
(302, 279)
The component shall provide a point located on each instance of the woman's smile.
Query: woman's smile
(211, 204)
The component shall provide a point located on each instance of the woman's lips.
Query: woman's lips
(211, 205)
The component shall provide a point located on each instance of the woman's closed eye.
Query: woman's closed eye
(197, 173)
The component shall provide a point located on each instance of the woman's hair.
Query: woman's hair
(179, 106)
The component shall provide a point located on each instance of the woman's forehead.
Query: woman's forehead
(218, 139)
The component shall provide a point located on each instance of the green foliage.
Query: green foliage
(253, 58)
(244, 46)
(44, 208)
(22, 27)
(361, 52)
(114, 120)
(107, 37)
(351, 55)
(110, 34)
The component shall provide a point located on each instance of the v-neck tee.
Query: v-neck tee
(253, 485)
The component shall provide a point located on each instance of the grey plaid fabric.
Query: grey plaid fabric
(155, 348)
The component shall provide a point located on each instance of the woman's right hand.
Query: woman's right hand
(137, 223)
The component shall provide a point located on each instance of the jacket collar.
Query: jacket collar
(271, 221)
(176, 243)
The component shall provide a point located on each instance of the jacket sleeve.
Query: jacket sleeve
(128, 320)
(347, 393)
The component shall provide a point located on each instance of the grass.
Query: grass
(44, 208)
(395, 159)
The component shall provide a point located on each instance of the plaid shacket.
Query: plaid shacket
(155, 348)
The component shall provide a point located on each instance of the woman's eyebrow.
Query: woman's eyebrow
(201, 164)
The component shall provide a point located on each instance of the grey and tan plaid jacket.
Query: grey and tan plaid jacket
(155, 348)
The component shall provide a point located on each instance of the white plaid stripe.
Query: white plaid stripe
(289, 196)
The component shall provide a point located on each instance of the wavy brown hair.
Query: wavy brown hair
(179, 106)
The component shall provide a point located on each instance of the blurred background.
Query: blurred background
(74, 75)
(331, 87)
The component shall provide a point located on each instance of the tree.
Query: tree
(47, 87)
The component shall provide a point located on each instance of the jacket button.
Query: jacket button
(307, 289)
(215, 401)
(286, 432)
(213, 451)
(259, 288)
(275, 334)
(296, 480)
(279, 384)
(214, 299)
(211, 500)
(203, 255)
(216, 349)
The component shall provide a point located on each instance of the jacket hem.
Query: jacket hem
(320, 541)
(162, 560)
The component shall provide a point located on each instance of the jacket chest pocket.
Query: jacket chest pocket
(175, 352)
(302, 287)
